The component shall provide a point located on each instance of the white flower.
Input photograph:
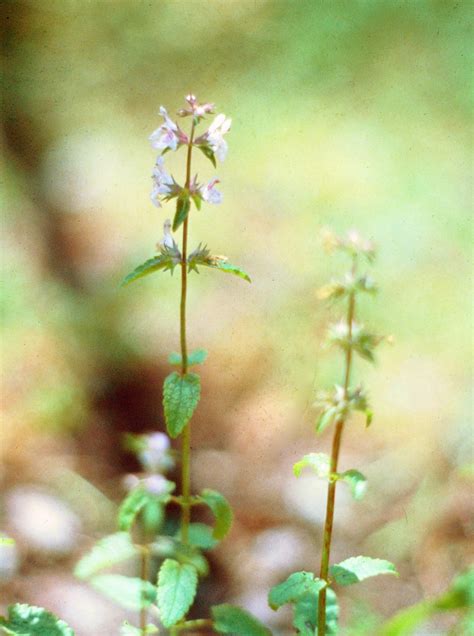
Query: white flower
(159, 441)
(156, 484)
(215, 135)
(209, 192)
(167, 135)
(162, 182)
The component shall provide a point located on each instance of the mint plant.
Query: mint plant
(312, 597)
(143, 530)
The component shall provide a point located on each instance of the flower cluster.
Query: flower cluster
(154, 453)
(170, 137)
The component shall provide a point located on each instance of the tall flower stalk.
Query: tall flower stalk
(142, 531)
(314, 601)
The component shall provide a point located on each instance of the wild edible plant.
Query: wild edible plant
(142, 524)
(312, 597)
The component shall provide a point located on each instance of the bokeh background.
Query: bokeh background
(345, 115)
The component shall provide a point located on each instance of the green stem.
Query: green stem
(186, 438)
(144, 575)
(335, 450)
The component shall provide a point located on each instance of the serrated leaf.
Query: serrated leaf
(198, 356)
(172, 548)
(112, 549)
(229, 619)
(356, 481)
(295, 586)
(318, 462)
(131, 630)
(360, 568)
(181, 395)
(207, 152)
(202, 256)
(305, 614)
(129, 592)
(183, 205)
(177, 584)
(131, 506)
(326, 419)
(221, 510)
(29, 620)
(163, 261)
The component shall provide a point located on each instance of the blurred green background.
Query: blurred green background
(345, 115)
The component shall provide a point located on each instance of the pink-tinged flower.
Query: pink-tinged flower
(168, 135)
(195, 108)
(156, 484)
(209, 192)
(215, 135)
(163, 183)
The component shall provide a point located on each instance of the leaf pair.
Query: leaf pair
(320, 464)
(301, 589)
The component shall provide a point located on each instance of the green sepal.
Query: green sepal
(221, 510)
(29, 620)
(183, 205)
(229, 619)
(198, 356)
(208, 152)
(110, 550)
(201, 256)
(177, 585)
(356, 481)
(356, 569)
(296, 585)
(130, 592)
(318, 462)
(181, 395)
(167, 260)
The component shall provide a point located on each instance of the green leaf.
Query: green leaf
(197, 200)
(200, 536)
(167, 260)
(306, 614)
(181, 395)
(172, 548)
(221, 510)
(202, 256)
(356, 481)
(198, 356)
(318, 462)
(131, 630)
(29, 620)
(110, 550)
(177, 584)
(207, 152)
(135, 502)
(229, 619)
(460, 595)
(360, 568)
(326, 418)
(295, 586)
(129, 592)
(183, 205)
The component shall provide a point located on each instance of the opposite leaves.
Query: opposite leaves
(29, 620)
(177, 585)
(181, 395)
(360, 568)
